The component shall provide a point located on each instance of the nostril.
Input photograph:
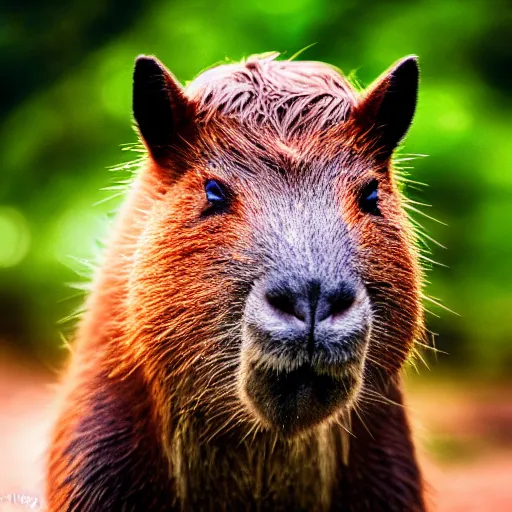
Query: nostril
(284, 303)
(338, 303)
(342, 303)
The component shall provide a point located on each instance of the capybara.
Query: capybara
(242, 342)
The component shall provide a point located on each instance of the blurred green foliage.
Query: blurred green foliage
(66, 77)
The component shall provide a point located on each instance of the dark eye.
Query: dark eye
(369, 198)
(217, 196)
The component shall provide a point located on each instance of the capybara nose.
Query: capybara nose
(309, 303)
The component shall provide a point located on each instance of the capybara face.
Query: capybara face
(276, 274)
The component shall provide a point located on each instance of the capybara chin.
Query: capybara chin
(242, 343)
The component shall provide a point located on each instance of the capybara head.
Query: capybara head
(276, 279)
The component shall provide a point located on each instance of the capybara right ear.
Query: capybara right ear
(160, 108)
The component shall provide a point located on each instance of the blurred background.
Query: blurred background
(65, 119)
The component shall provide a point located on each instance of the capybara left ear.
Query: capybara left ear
(160, 107)
(386, 109)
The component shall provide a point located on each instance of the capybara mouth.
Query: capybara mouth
(293, 401)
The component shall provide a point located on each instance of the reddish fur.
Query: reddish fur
(122, 440)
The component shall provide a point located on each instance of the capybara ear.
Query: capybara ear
(160, 108)
(386, 109)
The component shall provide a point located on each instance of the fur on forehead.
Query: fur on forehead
(289, 98)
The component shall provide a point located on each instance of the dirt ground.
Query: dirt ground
(464, 433)
(464, 430)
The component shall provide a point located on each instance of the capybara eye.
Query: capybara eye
(217, 196)
(369, 198)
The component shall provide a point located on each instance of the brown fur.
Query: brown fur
(152, 415)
